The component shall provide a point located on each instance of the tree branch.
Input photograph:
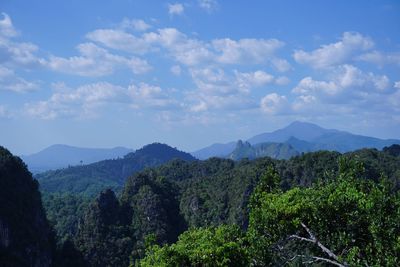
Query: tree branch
(314, 240)
(329, 261)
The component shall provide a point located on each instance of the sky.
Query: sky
(195, 72)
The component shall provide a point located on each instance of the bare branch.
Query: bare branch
(329, 261)
(313, 239)
(319, 244)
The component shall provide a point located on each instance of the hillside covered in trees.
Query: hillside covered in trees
(90, 179)
(216, 198)
(317, 208)
(25, 234)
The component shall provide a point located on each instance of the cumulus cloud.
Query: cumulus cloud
(14, 53)
(380, 58)
(216, 89)
(346, 79)
(86, 100)
(176, 9)
(176, 70)
(6, 27)
(119, 40)
(208, 5)
(11, 82)
(274, 104)
(135, 24)
(346, 90)
(95, 61)
(80, 102)
(149, 96)
(397, 85)
(337, 53)
(252, 79)
(282, 80)
(191, 51)
(250, 50)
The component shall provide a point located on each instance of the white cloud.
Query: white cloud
(176, 70)
(208, 5)
(14, 53)
(253, 79)
(199, 107)
(119, 40)
(135, 24)
(85, 101)
(191, 51)
(213, 81)
(218, 90)
(149, 96)
(185, 50)
(346, 79)
(11, 82)
(337, 53)
(81, 102)
(308, 85)
(95, 61)
(175, 9)
(397, 85)
(254, 51)
(6, 27)
(274, 104)
(380, 58)
(282, 80)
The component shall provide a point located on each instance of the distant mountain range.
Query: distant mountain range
(92, 178)
(61, 156)
(303, 137)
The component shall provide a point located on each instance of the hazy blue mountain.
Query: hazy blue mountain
(344, 142)
(301, 130)
(272, 150)
(304, 137)
(93, 178)
(61, 156)
(215, 150)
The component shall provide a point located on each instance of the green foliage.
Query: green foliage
(393, 150)
(64, 212)
(354, 217)
(103, 238)
(157, 204)
(212, 246)
(25, 236)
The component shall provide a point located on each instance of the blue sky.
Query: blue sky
(191, 73)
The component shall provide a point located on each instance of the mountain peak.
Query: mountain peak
(160, 151)
(303, 124)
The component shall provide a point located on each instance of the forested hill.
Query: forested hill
(351, 202)
(25, 235)
(92, 178)
(157, 204)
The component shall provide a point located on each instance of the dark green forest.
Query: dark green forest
(316, 209)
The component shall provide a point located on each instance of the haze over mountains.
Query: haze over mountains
(296, 138)
(61, 156)
(92, 178)
(303, 137)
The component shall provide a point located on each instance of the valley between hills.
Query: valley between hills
(295, 194)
